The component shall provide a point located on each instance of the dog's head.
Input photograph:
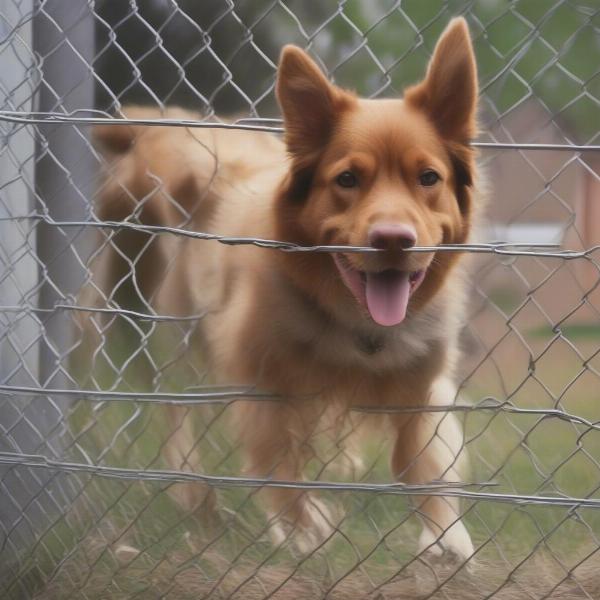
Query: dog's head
(389, 174)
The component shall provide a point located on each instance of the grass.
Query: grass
(123, 539)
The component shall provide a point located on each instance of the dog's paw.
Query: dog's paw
(316, 526)
(454, 546)
(310, 525)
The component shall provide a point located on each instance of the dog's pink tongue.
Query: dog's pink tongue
(387, 296)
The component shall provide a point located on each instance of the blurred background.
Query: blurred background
(69, 405)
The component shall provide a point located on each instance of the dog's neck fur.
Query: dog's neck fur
(359, 343)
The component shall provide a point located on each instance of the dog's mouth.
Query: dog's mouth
(385, 294)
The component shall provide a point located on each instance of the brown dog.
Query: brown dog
(324, 332)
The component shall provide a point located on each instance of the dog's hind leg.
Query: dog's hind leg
(182, 455)
(428, 448)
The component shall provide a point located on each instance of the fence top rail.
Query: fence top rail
(248, 124)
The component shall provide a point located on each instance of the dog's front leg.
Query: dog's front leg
(429, 447)
(277, 444)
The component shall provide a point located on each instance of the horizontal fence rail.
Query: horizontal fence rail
(246, 124)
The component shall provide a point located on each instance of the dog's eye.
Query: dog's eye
(428, 178)
(347, 179)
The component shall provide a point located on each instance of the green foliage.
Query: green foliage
(524, 49)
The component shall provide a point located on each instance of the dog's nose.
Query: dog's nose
(392, 236)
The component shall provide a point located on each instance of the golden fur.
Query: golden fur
(286, 322)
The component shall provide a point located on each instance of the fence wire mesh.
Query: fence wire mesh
(97, 501)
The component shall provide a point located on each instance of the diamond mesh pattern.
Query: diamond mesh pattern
(89, 494)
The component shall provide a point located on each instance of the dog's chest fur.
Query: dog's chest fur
(358, 343)
(271, 334)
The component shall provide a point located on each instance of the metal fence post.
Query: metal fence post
(45, 66)
(64, 41)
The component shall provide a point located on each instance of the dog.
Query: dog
(320, 332)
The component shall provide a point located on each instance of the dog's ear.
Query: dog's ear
(308, 101)
(449, 92)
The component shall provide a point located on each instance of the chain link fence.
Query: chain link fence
(95, 384)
